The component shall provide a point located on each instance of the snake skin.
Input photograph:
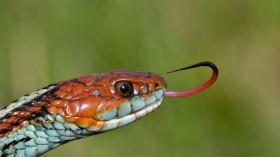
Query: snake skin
(74, 109)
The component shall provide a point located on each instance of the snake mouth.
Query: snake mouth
(135, 114)
(141, 113)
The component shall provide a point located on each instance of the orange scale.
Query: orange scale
(60, 94)
(88, 88)
(73, 108)
(56, 102)
(80, 96)
(68, 96)
(70, 119)
(42, 104)
(75, 97)
(101, 82)
(34, 109)
(97, 124)
(63, 104)
(106, 92)
(15, 128)
(52, 109)
(74, 84)
(88, 80)
(147, 78)
(12, 120)
(27, 114)
(103, 91)
(89, 106)
(3, 126)
(24, 123)
(83, 95)
(98, 77)
(24, 114)
(60, 111)
(106, 105)
(67, 87)
(83, 122)
(77, 89)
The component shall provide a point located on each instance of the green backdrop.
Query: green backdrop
(42, 42)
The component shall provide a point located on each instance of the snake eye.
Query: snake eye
(124, 88)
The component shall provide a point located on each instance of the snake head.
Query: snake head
(92, 104)
(105, 101)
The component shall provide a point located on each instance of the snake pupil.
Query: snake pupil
(124, 88)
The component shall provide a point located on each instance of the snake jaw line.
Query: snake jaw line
(76, 108)
(80, 107)
(134, 114)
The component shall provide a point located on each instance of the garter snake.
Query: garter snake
(83, 106)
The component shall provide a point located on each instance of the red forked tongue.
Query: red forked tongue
(198, 89)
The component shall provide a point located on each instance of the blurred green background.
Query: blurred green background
(42, 42)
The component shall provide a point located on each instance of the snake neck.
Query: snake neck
(27, 129)
(40, 136)
(73, 109)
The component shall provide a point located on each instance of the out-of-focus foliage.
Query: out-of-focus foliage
(42, 42)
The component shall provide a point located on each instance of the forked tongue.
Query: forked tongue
(198, 89)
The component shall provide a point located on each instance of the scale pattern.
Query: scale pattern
(73, 109)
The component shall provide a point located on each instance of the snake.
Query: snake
(84, 106)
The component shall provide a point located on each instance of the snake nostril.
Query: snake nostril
(156, 84)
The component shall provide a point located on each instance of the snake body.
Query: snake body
(84, 106)
(77, 108)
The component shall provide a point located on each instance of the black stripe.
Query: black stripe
(28, 105)
(13, 144)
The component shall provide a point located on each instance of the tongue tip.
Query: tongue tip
(198, 89)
